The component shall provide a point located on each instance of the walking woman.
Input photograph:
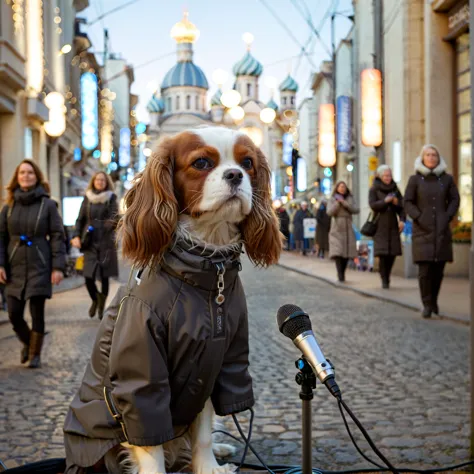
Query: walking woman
(300, 215)
(322, 229)
(32, 254)
(432, 201)
(95, 236)
(342, 241)
(386, 201)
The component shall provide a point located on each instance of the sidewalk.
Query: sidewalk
(67, 284)
(453, 301)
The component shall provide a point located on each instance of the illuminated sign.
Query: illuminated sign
(344, 124)
(287, 148)
(77, 154)
(327, 140)
(301, 174)
(124, 150)
(89, 111)
(371, 100)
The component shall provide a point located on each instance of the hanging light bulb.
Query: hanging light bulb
(267, 115)
(230, 98)
(237, 113)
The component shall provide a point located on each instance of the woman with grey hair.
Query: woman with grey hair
(432, 201)
(386, 200)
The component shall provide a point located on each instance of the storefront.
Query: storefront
(459, 36)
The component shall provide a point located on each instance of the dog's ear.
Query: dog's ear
(262, 238)
(151, 214)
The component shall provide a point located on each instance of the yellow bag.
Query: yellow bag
(80, 263)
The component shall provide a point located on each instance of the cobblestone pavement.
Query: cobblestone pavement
(404, 377)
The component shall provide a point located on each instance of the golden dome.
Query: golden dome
(184, 31)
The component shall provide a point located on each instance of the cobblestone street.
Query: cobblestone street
(404, 377)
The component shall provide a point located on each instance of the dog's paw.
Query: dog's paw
(223, 450)
(215, 469)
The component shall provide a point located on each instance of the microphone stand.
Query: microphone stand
(306, 379)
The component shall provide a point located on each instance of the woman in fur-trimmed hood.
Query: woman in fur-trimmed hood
(432, 201)
(95, 235)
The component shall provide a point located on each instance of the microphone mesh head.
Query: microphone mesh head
(292, 321)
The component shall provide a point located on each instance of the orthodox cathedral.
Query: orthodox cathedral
(182, 103)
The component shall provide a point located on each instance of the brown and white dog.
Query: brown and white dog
(213, 184)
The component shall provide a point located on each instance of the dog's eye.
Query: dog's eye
(203, 164)
(247, 163)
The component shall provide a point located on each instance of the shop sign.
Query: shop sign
(344, 125)
(89, 111)
(458, 20)
(287, 148)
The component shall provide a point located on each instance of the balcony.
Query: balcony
(443, 5)
(12, 67)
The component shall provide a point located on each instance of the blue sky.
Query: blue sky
(140, 33)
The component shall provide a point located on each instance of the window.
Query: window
(249, 89)
(177, 102)
(169, 105)
(188, 102)
(197, 102)
(283, 101)
(293, 100)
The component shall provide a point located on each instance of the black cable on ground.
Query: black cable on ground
(353, 440)
(367, 437)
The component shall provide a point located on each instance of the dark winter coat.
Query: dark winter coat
(387, 238)
(298, 219)
(163, 348)
(342, 241)
(432, 201)
(322, 227)
(284, 221)
(29, 261)
(99, 210)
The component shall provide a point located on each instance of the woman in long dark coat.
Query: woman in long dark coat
(284, 219)
(322, 229)
(300, 215)
(98, 216)
(432, 201)
(342, 239)
(32, 254)
(386, 200)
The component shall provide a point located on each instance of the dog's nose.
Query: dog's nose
(233, 176)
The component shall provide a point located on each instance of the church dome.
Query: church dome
(185, 74)
(216, 98)
(272, 104)
(155, 105)
(184, 31)
(289, 84)
(248, 66)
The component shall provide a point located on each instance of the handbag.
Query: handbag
(86, 238)
(369, 228)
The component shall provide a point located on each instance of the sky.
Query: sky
(141, 34)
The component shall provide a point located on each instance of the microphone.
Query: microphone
(294, 323)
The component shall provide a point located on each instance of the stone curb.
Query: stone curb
(373, 294)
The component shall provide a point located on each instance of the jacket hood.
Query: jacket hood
(30, 196)
(198, 264)
(438, 171)
(98, 198)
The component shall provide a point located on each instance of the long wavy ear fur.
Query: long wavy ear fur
(151, 214)
(260, 230)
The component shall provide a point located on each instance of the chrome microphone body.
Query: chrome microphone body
(307, 344)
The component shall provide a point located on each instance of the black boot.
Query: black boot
(93, 308)
(24, 336)
(36, 343)
(100, 304)
(426, 313)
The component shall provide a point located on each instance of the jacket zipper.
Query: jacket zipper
(15, 248)
(41, 256)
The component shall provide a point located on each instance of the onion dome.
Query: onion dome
(248, 66)
(185, 74)
(289, 84)
(155, 105)
(216, 98)
(184, 31)
(272, 104)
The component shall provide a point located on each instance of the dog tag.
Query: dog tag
(220, 299)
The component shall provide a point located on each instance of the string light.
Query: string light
(18, 11)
